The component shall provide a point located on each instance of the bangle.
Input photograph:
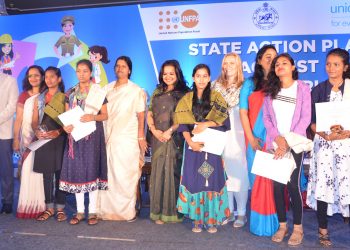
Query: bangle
(94, 117)
(141, 138)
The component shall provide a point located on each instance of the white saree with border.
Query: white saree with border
(123, 153)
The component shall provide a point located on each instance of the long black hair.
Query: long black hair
(201, 108)
(274, 83)
(344, 55)
(259, 76)
(26, 84)
(180, 84)
(57, 72)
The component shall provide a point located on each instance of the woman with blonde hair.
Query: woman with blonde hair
(229, 84)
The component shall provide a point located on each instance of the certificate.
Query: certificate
(278, 170)
(214, 140)
(332, 113)
(81, 129)
(95, 99)
(38, 144)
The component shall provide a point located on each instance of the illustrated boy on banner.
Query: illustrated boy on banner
(68, 40)
(7, 56)
(97, 55)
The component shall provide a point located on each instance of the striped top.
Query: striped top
(284, 107)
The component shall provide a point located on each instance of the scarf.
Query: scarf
(218, 113)
(54, 108)
(230, 94)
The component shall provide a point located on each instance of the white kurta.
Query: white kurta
(121, 130)
(234, 155)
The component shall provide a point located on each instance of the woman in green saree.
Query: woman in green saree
(166, 144)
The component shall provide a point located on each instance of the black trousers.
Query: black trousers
(53, 195)
(293, 187)
(322, 214)
(6, 172)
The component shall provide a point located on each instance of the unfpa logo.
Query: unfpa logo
(189, 18)
(170, 20)
(265, 17)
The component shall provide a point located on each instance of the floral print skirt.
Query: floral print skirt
(329, 175)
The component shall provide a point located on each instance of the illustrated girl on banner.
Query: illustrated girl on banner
(7, 56)
(97, 55)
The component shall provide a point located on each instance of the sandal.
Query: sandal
(296, 238)
(240, 222)
(44, 215)
(159, 222)
(76, 219)
(280, 234)
(61, 216)
(324, 240)
(212, 230)
(196, 228)
(92, 219)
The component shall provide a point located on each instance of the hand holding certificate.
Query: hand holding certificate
(214, 140)
(80, 129)
(277, 170)
(329, 114)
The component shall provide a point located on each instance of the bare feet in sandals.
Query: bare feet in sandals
(44, 216)
(77, 218)
(61, 216)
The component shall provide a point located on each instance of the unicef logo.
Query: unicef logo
(265, 17)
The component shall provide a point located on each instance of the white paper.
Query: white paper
(278, 170)
(332, 113)
(81, 129)
(38, 144)
(94, 100)
(214, 140)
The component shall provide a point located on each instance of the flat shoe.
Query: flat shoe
(196, 228)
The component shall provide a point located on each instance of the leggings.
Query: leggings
(92, 202)
(241, 200)
(293, 187)
(322, 214)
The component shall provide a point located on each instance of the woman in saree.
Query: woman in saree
(31, 194)
(126, 143)
(48, 158)
(202, 192)
(167, 145)
(263, 218)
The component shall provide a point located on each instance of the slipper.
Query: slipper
(61, 216)
(212, 230)
(45, 215)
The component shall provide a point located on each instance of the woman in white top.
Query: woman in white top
(229, 84)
